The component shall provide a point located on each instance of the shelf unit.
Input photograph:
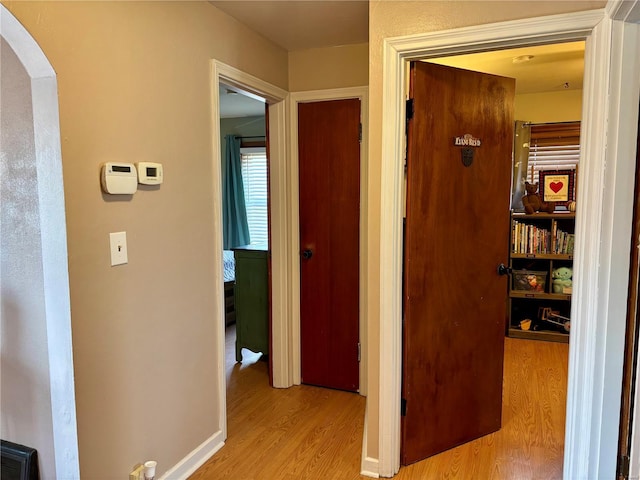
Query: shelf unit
(540, 243)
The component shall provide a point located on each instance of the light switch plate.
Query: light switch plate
(118, 248)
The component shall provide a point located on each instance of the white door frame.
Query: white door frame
(626, 33)
(280, 228)
(294, 258)
(601, 276)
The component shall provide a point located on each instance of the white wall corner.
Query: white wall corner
(370, 466)
(195, 459)
(280, 226)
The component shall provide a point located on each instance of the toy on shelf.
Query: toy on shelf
(532, 202)
(562, 280)
(526, 324)
(529, 281)
(548, 315)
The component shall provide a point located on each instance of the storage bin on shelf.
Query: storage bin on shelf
(529, 281)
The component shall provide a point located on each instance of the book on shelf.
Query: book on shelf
(530, 239)
(564, 243)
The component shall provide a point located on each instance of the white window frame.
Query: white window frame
(263, 239)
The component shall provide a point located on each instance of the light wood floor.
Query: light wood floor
(314, 433)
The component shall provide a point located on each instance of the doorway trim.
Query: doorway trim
(53, 237)
(277, 99)
(294, 257)
(626, 35)
(598, 327)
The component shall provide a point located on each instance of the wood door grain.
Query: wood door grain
(457, 232)
(329, 175)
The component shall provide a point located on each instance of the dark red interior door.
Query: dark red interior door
(329, 176)
(457, 231)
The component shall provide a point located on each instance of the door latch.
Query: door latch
(503, 270)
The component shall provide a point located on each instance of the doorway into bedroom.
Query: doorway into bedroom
(245, 214)
(548, 99)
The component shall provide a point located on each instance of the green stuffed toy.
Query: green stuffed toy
(531, 200)
(561, 279)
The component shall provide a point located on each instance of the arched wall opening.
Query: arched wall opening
(38, 399)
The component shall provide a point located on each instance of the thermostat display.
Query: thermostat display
(119, 178)
(149, 173)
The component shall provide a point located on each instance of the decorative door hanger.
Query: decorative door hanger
(468, 143)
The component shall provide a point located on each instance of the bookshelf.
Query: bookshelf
(540, 243)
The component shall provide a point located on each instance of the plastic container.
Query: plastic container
(529, 281)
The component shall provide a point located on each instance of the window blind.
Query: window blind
(553, 146)
(254, 177)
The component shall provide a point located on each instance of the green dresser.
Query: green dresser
(252, 299)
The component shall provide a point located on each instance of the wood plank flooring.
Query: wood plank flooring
(313, 433)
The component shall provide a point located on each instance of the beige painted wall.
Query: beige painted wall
(325, 68)
(397, 18)
(134, 85)
(562, 106)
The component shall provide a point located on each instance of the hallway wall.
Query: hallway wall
(134, 83)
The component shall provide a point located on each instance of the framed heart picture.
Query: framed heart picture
(557, 186)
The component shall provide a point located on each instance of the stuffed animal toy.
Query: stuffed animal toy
(531, 200)
(561, 279)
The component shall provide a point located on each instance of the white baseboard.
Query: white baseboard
(369, 467)
(194, 460)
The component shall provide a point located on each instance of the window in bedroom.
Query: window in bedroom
(254, 177)
(553, 146)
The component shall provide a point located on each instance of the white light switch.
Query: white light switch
(118, 248)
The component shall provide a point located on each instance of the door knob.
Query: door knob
(502, 270)
(307, 254)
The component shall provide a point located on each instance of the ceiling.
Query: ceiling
(301, 25)
(234, 104)
(552, 67)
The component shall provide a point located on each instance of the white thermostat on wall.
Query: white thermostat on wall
(119, 178)
(149, 173)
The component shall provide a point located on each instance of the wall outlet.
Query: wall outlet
(137, 473)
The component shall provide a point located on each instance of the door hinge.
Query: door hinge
(359, 351)
(360, 133)
(623, 467)
(410, 109)
(403, 407)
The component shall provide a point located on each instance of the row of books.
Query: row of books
(564, 243)
(532, 239)
(527, 238)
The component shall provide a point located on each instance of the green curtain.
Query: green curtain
(234, 212)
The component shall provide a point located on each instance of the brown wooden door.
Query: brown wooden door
(457, 231)
(329, 175)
